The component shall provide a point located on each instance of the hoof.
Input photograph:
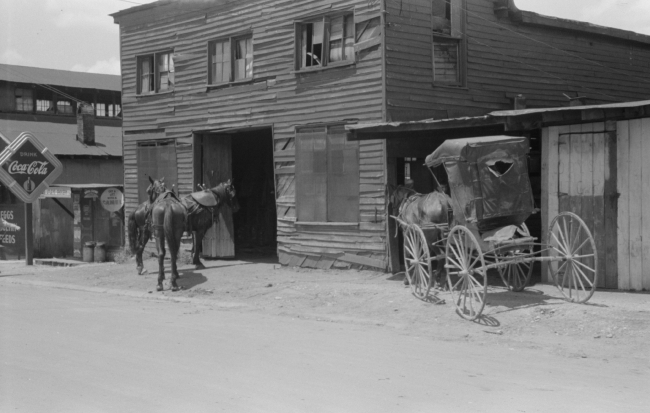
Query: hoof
(142, 271)
(199, 267)
(159, 288)
(175, 288)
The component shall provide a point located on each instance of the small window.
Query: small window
(445, 61)
(230, 60)
(24, 100)
(113, 110)
(64, 107)
(100, 109)
(155, 73)
(325, 40)
(447, 45)
(43, 105)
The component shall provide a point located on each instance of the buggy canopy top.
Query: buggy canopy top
(472, 149)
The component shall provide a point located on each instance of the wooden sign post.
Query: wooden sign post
(27, 168)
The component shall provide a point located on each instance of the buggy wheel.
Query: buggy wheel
(516, 275)
(466, 274)
(417, 261)
(574, 267)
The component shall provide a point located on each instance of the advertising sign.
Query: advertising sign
(12, 240)
(112, 199)
(27, 167)
(57, 192)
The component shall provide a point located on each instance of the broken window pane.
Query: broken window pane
(441, 16)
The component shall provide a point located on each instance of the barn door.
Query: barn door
(580, 182)
(219, 241)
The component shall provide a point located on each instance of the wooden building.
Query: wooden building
(263, 91)
(592, 161)
(89, 145)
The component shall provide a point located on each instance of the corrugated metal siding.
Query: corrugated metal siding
(278, 98)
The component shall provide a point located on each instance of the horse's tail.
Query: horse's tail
(133, 232)
(170, 228)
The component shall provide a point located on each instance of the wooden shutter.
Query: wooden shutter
(311, 174)
(156, 160)
(343, 177)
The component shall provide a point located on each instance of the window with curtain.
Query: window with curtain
(155, 73)
(230, 60)
(327, 175)
(325, 40)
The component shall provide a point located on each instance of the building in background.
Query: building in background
(88, 141)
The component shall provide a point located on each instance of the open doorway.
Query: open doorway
(253, 177)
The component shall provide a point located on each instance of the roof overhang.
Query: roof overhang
(507, 121)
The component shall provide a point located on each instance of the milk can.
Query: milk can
(100, 252)
(88, 251)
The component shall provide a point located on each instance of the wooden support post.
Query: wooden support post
(29, 235)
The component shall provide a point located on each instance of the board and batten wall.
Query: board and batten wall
(600, 172)
(633, 141)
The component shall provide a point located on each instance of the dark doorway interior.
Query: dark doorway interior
(252, 172)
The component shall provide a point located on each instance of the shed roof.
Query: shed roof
(54, 77)
(60, 138)
(465, 149)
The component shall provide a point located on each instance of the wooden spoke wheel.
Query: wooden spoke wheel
(417, 261)
(516, 274)
(466, 274)
(574, 269)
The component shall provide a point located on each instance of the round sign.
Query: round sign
(112, 199)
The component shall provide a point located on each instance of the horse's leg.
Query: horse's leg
(144, 234)
(196, 253)
(159, 234)
(174, 226)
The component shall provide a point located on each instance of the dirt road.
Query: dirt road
(259, 337)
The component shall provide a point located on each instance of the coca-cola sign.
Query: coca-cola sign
(28, 167)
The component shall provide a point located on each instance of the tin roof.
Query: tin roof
(27, 74)
(60, 138)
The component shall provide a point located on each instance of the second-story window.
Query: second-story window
(100, 109)
(230, 60)
(64, 107)
(24, 100)
(325, 41)
(43, 105)
(155, 73)
(447, 31)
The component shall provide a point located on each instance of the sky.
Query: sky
(79, 35)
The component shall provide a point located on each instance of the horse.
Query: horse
(139, 227)
(202, 207)
(419, 209)
(168, 217)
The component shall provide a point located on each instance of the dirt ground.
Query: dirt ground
(611, 325)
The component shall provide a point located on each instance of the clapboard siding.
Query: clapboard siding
(277, 97)
(503, 59)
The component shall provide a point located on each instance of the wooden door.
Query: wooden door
(219, 241)
(580, 180)
(634, 204)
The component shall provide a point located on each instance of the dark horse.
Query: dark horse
(202, 211)
(138, 226)
(418, 209)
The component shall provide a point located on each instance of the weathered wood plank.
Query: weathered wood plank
(623, 167)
